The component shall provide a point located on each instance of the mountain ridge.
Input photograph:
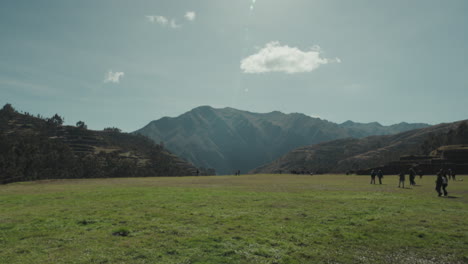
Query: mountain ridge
(354, 154)
(228, 139)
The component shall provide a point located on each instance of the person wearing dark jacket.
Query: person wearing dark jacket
(380, 176)
(441, 183)
(412, 176)
(372, 175)
(402, 180)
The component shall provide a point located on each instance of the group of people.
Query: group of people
(441, 181)
(412, 177)
(379, 175)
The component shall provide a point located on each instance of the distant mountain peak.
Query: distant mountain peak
(347, 123)
(202, 108)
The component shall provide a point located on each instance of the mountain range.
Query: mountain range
(228, 139)
(354, 154)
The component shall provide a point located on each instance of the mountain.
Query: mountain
(229, 140)
(34, 148)
(374, 128)
(354, 154)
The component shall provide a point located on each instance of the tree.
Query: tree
(8, 108)
(81, 124)
(56, 120)
(112, 129)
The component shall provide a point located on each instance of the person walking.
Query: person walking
(402, 180)
(451, 174)
(380, 176)
(444, 184)
(441, 183)
(372, 175)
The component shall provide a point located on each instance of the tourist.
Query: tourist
(412, 176)
(444, 184)
(450, 174)
(402, 180)
(380, 176)
(372, 181)
(441, 183)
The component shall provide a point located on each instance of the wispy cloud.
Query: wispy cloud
(161, 20)
(174, 24)
(276, 58)
(190, 15)
(113, 77)
(171, 22)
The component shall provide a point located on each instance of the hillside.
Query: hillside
(374, 151)
(34, 148)
(228, 139)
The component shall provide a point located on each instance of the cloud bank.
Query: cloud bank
(276, 58)
(113, 77)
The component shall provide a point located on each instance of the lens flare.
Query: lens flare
(252, 5)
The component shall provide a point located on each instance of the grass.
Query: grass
(229, 219)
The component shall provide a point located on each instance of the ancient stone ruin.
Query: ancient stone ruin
(453, 157)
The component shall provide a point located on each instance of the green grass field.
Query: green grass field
(229, 219)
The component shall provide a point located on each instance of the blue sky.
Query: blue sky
(124, 63)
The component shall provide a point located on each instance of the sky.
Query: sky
(119, 63)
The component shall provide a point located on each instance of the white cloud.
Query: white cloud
(161, 20)
(276, 58)
(113, 77)
(166, 22)
(190, 15)
(174, 24)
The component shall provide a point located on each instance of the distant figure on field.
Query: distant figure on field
(198, 172)
(441, 183)
(372, 175)
(450, 174)
(380, 176)
(420, 174)
(402, 180)
(412, 176)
